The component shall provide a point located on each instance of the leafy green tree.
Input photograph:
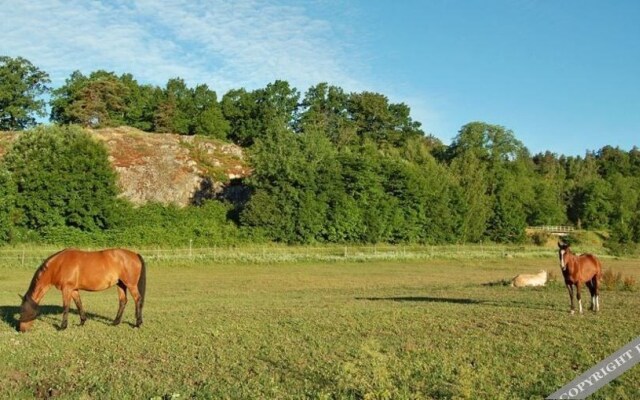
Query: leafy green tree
(277, 182)
(634, 224)
(380, 121)
(363, 179)
(325, 110)
(238, 108)
(173, 113)
(7, 204)
(508, 219)
(21, 86)
(292, 186)
(96, 101)
(63, 178)
(190, 111)
(207, 118)
(423, 196)
(472, 197)
(612, 161)
(63, 97)
(251, 115)
(488, 160)
(588, 197)
(550, 189)
(140, 103)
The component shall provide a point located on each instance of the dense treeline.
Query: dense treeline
(329, 166)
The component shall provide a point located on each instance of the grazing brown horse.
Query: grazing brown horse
(73, 270)
(579, 269)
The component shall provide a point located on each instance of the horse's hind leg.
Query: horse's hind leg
(596, 292)
(589, 286)
(138, 299)
(76, 299)
(122, 301)
(579, 297)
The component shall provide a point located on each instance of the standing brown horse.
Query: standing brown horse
(579, 269)
(73, 270)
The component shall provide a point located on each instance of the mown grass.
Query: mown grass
(379, 329)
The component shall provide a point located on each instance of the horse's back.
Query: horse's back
(590, 266)
(95, 270)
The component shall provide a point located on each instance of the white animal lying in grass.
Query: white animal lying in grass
(523, 280)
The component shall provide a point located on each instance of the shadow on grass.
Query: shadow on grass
(49, 312)
(423, 299)
(501, 282)
(503, 303)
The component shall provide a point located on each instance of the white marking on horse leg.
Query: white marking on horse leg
(593, 303)
(597, 303)
(580, 305)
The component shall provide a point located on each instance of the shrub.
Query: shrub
(629, 283)
(611, 280)
(540, 238)
(63, 178)
(616, 281)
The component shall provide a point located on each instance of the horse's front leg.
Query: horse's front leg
(570, 289)
(76, 299)
(66, 301)
(579, 297)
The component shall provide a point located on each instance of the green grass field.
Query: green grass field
(391, 329)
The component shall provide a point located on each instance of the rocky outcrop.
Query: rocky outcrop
(168, 168)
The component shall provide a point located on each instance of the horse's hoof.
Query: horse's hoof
(572, 312)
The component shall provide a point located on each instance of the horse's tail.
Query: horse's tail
(142, 281)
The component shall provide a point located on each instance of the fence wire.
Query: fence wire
(33, 256)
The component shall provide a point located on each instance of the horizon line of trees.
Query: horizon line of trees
(331, 166)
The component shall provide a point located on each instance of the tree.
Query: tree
(294, 179)
(472, 199)
(325, 110)
(21, 85)
(63, 178)
(207, 118)
(380, 121)
(173, 111)
(96, 101)
(252, 115)
(140, 103)
(7, 204)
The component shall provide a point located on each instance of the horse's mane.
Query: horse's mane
(36, 276)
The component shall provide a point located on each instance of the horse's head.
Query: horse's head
(563, 249)
(28, 313)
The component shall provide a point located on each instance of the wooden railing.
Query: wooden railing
(559, 230)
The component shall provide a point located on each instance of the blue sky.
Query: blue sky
(563, 75)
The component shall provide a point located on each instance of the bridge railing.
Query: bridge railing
(557, 230)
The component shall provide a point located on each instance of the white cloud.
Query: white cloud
(226, 44)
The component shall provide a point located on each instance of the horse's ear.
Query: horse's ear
(559, 244)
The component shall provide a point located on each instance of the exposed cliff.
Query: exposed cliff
(166, 168)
